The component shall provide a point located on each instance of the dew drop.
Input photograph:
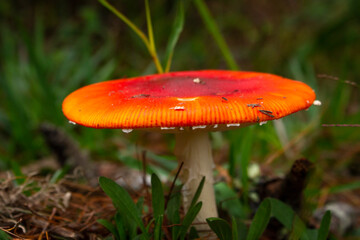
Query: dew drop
(262, 123)
(216, 126)
(73, 123)
(127, 130)
(181, 128)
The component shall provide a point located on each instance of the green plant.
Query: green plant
(129, 214)
(300, 41)
(129, 217)
(149, 40)
(272, 208)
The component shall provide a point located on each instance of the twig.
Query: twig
(47, 224)
(173, 184)
(12, 234)
(354, 84)
(144, 164)
(340, 125)
(292, 142)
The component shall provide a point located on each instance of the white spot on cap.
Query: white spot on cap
(233, 124)
(167, 128)
(187, 99)
(200, 126)
(73, 123)
(178, 108)
(317, 103)
(127, 130)
(196, 80)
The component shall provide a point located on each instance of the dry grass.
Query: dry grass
(39, 209)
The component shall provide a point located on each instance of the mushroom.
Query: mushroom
(189, 104)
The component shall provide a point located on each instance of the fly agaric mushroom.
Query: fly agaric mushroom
(189, 104)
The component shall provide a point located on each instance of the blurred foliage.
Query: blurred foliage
(50, 48)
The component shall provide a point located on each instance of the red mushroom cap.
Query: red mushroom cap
(187, 99)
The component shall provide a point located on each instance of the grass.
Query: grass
(42, 61)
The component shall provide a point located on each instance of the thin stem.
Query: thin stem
(168, 63)
(152, 49)
(156, 61)
(173, 184)
(149, 42)
(149, 25)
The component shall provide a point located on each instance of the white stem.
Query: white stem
(194, 150)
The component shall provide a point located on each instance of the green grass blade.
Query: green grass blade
(298, 230)
(158, 201)
(152, 47)
(4, 236)
(140, 204)
(175, 34)
(120, 227)
(149, 25)
(351, 186)
(20, 176)
(271, 207)
(345, 187)
(220, 227)
(157, 227)
(60, 173)
(234, 230)
(193, 233)
(324, 226)
(198, 192)
(260, 221)
(282, 212)
(122, 201)
(109, 226)
(215, 32)
(188, 219)
(287, 217)
(172, 210)
(228, 200)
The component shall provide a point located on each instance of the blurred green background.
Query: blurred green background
(50, 48)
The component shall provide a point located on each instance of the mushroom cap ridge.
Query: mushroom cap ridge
(187, 99)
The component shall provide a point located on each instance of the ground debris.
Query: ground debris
(67, 151)
(38, 209)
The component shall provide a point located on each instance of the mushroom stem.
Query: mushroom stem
(194, 150)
